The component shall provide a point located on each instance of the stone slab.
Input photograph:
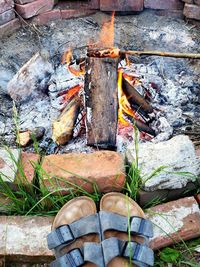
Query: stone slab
(178, 158)
(34, 8)
(6, 16)
(121, 5)
(174, 221)
(8, 168)
(163, 4)
(9, 27)
(6, 5)
(102, 169)
(27, 162)
(192, 11)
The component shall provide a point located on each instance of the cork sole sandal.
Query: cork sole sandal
(120, 215)
(76, 223)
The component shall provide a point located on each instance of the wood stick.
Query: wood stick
(101, 102)
(115, 52)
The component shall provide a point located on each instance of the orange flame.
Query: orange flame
(67, 57)
(71, 93)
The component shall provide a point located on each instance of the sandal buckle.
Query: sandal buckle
(65, 234)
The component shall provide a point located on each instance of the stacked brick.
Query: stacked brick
(8, 21)
(192, 9)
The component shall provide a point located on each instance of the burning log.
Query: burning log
(64, 126)
(101, 101)
(134, 97)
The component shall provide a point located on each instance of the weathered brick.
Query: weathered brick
(105, 169)
(75, 13)
(197, 2)
(9, 27)
(8, 167)
(192, 11)
(46, 17)
(71, 4)
(6, 16)
(163, 4)
(121, 5)
(6, 5)
(35, 8)
(26, 238)
(174, 221)
(27, 162)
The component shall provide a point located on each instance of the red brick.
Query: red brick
(192, 11)
(71, 4)
(6, 16)
(197, 2)
(46, 17)
(121, 5)
(35, 8)
(103, 168)
(6, 5)
(163, 4)
(27, 162)
(25, 238)
(174, 221)
(75, 13)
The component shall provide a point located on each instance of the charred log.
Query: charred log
(134, 97)
(101, 102)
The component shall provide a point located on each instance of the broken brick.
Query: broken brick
(34, 8)
(192, 11)
(174, 221)
(103, 170)
(163, 4)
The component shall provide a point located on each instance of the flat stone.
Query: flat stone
(163, 4)
(46, 17)
(27, 162)
(192, 11)
(9, 27)
(32, 78)
(76, 13)
(174, 221)
(8, 167)
(6, 16)
(26, 238)
(6, 5)
(165, 195)
(120, 5)
(178, 157)
(34, 8)
(105, 169)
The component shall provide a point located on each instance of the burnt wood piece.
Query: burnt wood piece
(134, 97)
(101, 101)
(143, 127)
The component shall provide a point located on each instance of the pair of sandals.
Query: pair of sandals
(116, 236)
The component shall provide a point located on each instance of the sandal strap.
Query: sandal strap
(72, 259)
(140, 254)
(93, 253)
(66, 234)
(137, 225)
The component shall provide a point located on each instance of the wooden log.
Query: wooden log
(63, 127)
(101, 101)
(134, 97)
